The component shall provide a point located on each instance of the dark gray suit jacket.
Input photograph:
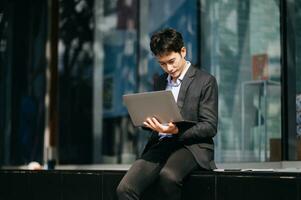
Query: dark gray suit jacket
(197, 101)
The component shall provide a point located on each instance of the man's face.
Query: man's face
(173, 63)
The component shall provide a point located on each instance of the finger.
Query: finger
(160, 127)
(146, 124)
(149, 126)
(156, 122)
(150, 122)
(157, 119)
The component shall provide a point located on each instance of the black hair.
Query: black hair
(166, 41)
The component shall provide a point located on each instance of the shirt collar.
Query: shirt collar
(179, 80)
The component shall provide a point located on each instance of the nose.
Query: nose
(169, 68)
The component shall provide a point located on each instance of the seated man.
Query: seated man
(173, 151)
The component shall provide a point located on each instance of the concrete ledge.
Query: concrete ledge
(101, 185)
(288, 166)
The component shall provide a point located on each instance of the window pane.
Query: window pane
(241, 45)
(114, 75)
(156, 15)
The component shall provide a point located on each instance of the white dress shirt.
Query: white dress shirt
(175, 87)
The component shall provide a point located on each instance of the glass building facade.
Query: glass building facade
(251, 47)
(241, 47)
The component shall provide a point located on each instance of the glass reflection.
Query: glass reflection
(241, 47)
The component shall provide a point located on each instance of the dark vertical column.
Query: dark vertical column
(21, 80)
(76, 85)
(4, 37)
(288, 80)
(18, 80)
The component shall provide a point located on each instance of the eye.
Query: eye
(171, 62)
(163, 64)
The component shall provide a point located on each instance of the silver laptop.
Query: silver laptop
(159, 104)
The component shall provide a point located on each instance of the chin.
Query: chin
(176, 75)
(172, 76)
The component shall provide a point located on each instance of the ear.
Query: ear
(183, 52)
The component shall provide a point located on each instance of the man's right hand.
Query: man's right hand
(155, 125)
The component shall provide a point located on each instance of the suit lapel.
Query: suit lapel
(184, 86)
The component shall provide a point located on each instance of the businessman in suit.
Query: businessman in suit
(175, 150)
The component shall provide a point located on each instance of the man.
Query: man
(175, 151)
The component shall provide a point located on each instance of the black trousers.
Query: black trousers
(166, 164)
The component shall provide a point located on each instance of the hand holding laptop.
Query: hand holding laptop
(155, 125)
(160, 105)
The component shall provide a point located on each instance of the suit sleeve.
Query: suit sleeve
(207, 114)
